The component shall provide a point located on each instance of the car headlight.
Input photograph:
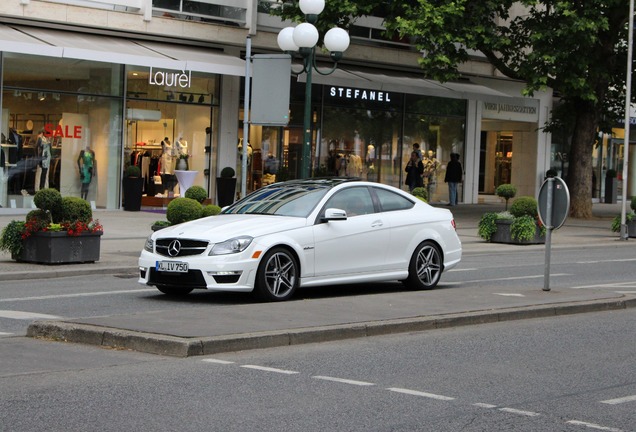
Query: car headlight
(150, 243)
(235, 245)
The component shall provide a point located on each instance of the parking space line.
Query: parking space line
(269, 369)
(422, 394)
(521, 412)
(620, 400)
(343, 380)
(593, 426)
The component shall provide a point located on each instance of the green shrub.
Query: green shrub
(524, 206)
(49, 199)
(506, 191)
(182, 210)
(420, 192)
(76, 209)
(227, 172)
(616, 222)
(40, 218)
(523, 228)
(487, 226)
(197, 193)
(11, 238)
(210, 210)
(633, 203)
(132, 171)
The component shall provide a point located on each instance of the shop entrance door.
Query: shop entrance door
(503, 158)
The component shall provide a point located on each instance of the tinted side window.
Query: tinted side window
(355, 201)
(390, 201)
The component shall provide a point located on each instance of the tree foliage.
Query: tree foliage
(576, 48)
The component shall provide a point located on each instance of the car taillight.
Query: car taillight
(453, 224)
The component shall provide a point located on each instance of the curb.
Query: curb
(186, 347)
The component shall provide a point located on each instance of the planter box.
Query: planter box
(631, 228)
(502, 235)
(60, 248)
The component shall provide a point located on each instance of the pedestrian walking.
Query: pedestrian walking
(453, 177)
(414, 170)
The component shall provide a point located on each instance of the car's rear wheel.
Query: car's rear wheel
(278, 275)
(425, 268)
(175, 291)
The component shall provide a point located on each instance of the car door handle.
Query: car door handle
(377, 223)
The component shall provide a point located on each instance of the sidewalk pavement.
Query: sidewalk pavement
(257, 325)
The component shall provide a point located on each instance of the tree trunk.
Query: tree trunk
(580, 163)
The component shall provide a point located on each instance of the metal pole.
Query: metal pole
(548, 234)
(246, 114)
(305, 167)
(628, 96)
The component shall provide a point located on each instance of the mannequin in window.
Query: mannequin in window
(181, 150)
(166, 156)
(85, 164)
(44, 152)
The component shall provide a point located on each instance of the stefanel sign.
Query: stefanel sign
(66, 131)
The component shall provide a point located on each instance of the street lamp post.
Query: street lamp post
(303, 39)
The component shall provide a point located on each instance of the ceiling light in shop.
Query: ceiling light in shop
(41, 96)
(183, 98)
(191, 98)
(201, 99)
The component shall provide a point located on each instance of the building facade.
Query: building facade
(149, 82)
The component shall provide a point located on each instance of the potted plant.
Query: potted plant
(420, 192)
(225, 187)
(506, 191)
(518, 226)
(611, 186)
(630, 220)
(132, 185)
(188, 208)
(60, 231)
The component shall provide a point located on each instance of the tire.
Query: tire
(425, 268)
(174, 291)
(278, 275)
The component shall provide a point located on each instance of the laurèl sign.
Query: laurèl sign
(181, 79)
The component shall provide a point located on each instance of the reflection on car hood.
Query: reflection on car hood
(225, 226)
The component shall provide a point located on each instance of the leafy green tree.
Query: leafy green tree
(576, 48)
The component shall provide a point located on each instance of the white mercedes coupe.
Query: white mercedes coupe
(305, 233)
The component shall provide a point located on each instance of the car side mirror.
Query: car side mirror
(332, 214)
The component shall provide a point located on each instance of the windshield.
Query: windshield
(281, 200)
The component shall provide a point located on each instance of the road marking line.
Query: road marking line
(514, 278)
(5, 334)
(217, 361)
(49, 297)
(593, 426)
(625, 292)
(343, 381)
(516, 411)
(509, 294)
(25, 315)
(422, 394)
(606, 261)
(620, 400)
(462, 270)
(269, 369)
(608, 285)
(484, 405)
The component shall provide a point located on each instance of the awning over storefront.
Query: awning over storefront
(348, 77)
(82, 46)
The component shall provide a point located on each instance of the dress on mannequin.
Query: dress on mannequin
(85, 163)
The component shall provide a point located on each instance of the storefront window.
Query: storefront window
(54, 111)
(170, 126)
(437, 126)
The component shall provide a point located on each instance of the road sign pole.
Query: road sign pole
(548, 234)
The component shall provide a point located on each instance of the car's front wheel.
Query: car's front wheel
(278, 275)
(175, 291)
(425, 268)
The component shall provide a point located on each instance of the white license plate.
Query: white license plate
(172, 266)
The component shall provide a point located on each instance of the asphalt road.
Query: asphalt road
(571, 373)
